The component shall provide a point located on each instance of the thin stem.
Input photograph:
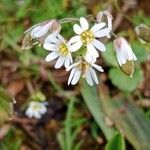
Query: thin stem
(113, 34)
(120, 11)
(66, 20)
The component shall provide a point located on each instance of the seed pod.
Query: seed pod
(143, 32)
(128, 68)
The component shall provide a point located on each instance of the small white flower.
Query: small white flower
(123, 50)
(83, 69)
(105, 14)
(88, 37)
(36, 109)
(60, 49)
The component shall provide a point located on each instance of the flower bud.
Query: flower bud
(37, 33)
(105, 16)
(143, 32)
(125, 55)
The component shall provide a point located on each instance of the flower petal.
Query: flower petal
(98, 26)
(49, 46)
(102, 33)
(37, 115)
(93, 74)
(67, 61)
(84, 24)
(99, 68)
(37, 32)
(92, 51)
(51, 56)
(88, 78)
(71, 75)
(52, 39)
(76, 77)
(77, 29)
(61, 38)
(76, 46)
(59, 62)
(74, 39)
(100, 46)
(73, 65)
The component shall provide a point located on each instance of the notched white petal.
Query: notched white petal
(98, 26)
(59, 62)
(99, 68)
(74, 39)
(51, 56)
(76, 46)
(88, 78)
(84, 24)
(51, 47)
(100, 46)
(76, 77)
(77, 29)
(102, 33)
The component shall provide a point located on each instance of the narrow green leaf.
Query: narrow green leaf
(90, 96)
(130, 121)
(116, 143)
(6, 106)
(61, 139)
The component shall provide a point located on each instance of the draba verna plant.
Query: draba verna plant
(79, 53)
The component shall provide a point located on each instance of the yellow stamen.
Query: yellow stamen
(83, 66)
(87, 37)
(63, 49)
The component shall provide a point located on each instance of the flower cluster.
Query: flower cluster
(79, 54)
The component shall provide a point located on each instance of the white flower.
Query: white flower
(123, 50)
(83, 69)
(105, 14)
(88, 37)
(60, 49)
(36, 109)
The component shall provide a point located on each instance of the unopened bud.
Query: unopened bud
(125, 55)
(105, 16)
(37, 33)
(143, 32)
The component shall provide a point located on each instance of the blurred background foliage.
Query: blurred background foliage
(113, 116)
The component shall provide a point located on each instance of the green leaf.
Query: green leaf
(125, 82)
(109, 56)
(6, 96)
(91, 98)
(11, 141)
(6, 106)
(116, 143)
(129, 120)
(139, 51)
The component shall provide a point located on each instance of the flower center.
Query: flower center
(63, 49)
(83, 66)
(87, 37)
(36, 107)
